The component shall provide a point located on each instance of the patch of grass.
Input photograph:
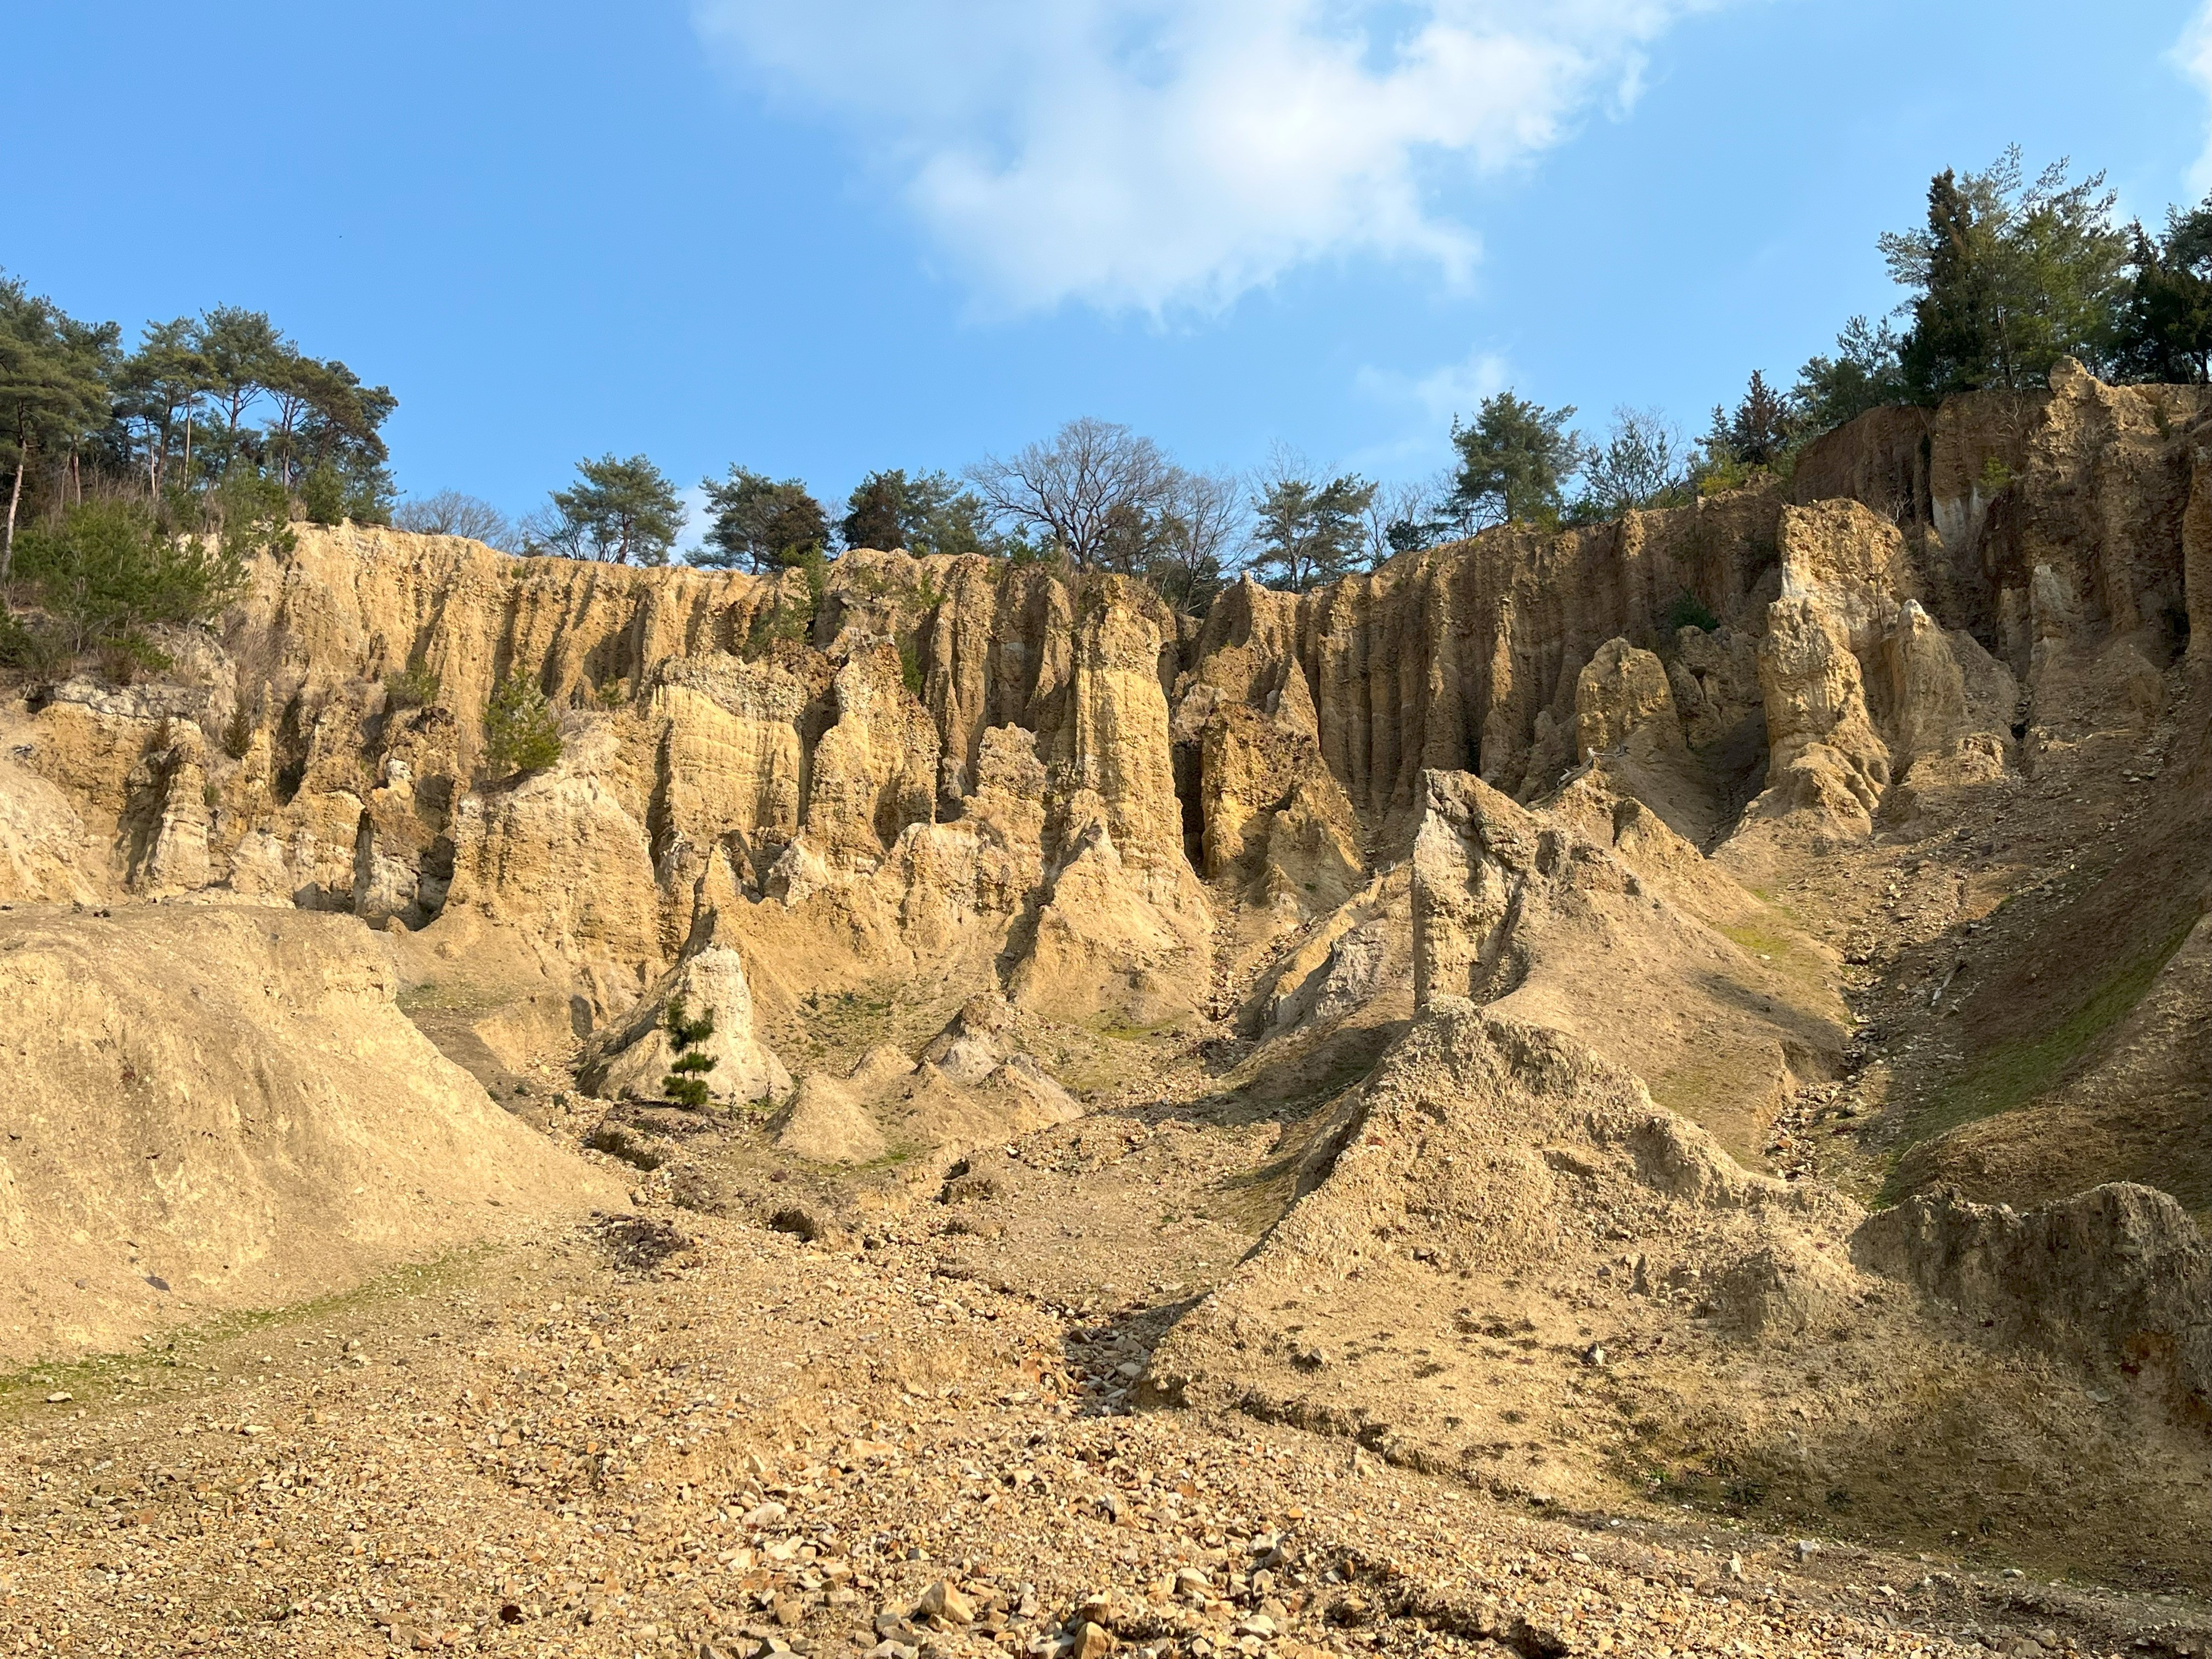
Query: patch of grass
(97, 1379)
(1760, 940)
(1717, 1089)
(2016, 1072)
(1253, 1200)
(1106, 1024)
(1790, 958)
(838, 1027)
(899, 1153)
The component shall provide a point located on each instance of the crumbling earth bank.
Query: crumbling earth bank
(211, 1109)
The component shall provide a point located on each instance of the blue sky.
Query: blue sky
(826, 237)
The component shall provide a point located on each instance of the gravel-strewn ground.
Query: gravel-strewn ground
(750, 1442)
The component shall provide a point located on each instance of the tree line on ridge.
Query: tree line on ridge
(138, 481)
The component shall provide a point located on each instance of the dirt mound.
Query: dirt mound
(1507, 1264)
(213, 1107)
(973, 1085)
(2117, 1276)
(1620, 941)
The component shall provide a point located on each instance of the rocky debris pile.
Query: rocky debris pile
(1506, 1259)
(974, 1085)
(1595, 920)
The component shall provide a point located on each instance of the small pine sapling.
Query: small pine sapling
(686, 1082)
(521, 731)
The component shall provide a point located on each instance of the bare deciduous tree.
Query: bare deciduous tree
(1402, 517)
(451, 513)
(1202, 522)
(1085, 491)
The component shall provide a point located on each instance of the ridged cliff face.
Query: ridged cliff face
(947, 744)
(971, 775)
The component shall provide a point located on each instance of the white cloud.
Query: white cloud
(1452, 390)
(2193, 51)
(1154, 153)
(1428, 404)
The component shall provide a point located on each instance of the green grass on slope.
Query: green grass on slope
(2017, 1071)
(98, 1378)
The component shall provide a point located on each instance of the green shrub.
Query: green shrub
(1688, 610)
(789, 619)
(251, 514)
(1723, 475)
(685, 1083)
(412, 687)
(323, 496)
(108, 572)
(122, 660)
(521, 732)
(780, 621)
(910, 667)
(1996, 475)
(28, 648)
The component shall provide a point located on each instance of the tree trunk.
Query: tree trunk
(15, 497)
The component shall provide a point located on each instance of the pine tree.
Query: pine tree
(2009, 276)
(2165, 322)
(1864, 375)
(53, 390)
(1306, 531)
(1515, 462)
(521, 732)
(923, 512)
(620, 512)
(758, 523)
(1760, 430)
(685, 1083)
